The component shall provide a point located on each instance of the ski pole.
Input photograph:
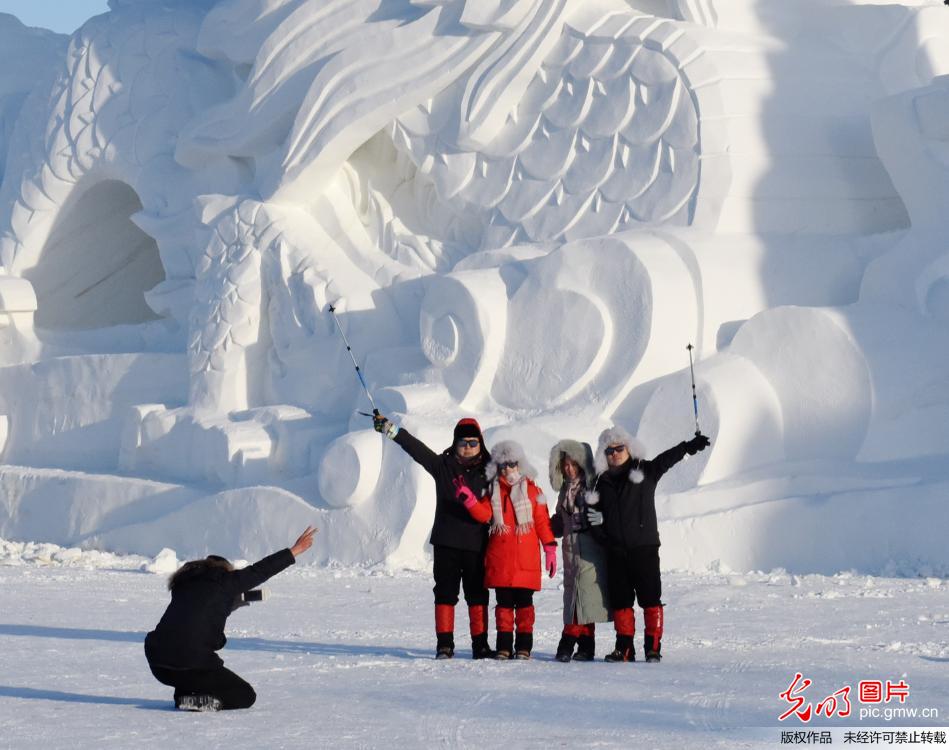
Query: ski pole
(349, 349)
(695, 400)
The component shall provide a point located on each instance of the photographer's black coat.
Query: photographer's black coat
(203, 594)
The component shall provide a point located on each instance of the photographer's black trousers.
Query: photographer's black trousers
(222, 683)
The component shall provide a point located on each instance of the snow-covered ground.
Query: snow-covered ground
(343, 658)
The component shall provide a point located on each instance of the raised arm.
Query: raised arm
(667, 459)
(420, 453)
(254, 575)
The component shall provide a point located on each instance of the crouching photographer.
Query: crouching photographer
(181, 649)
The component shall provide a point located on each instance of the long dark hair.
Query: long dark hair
(195, 568)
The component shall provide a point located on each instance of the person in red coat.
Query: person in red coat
(517, 511)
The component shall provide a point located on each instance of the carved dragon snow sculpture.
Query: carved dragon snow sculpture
(528, 121)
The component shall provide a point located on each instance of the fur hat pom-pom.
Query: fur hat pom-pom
(636, 476)
(592, 498)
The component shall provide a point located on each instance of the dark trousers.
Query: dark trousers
(222, 683)
(634, 576)
(454, 568)
(514, 598)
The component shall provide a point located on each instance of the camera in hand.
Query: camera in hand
(581, 521)
(255, 595)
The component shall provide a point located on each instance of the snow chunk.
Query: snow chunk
(164, 563)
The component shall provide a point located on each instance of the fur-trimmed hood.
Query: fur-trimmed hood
(509, 450)
(213, 564)
(579, 453)
(616, 435)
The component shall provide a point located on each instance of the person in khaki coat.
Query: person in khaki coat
(585, 597)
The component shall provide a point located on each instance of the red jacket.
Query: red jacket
(513, 560)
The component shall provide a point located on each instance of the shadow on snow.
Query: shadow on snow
(8, 691)
(233, 644)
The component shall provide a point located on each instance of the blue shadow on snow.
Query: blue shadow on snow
(233, 644)
(8, 691)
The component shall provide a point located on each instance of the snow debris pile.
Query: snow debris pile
(43, 554)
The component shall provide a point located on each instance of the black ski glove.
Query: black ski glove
(383, 426)
(696, 444)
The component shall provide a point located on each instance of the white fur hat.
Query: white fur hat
(508, 450)
(616, 435)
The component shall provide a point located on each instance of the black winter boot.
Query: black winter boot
(624, 650)
(198, 703)
(652, 649)
(505, 648)
(565, 648)
(523, 645)
(445, 645)
(480, 648)
(586, 647)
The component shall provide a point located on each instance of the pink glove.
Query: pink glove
(463, 492)
(550, 559)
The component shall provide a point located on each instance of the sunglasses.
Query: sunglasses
(474, 443)
(614, 449)
(508, 465)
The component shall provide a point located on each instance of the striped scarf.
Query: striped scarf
(521, 501)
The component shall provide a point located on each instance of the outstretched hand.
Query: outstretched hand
(696, 444)
(383, 426)
(303, 542)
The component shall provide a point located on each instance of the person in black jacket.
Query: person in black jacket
(625, 523)
(458, 540)
(181, 649)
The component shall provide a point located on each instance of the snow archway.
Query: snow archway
(96, 265)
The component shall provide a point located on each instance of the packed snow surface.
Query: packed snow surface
(343, 658)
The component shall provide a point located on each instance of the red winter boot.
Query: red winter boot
(478, 622)
(568, 641)
(586, 643)
(524, 642)
(504, 622)
(478, 619)
(653, 618)
(625, 623)
(444, 631)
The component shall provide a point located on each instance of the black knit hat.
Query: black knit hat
(468, 428)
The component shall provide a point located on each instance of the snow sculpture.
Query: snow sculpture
(522, 209)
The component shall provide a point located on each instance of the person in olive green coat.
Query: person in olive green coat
(585, 598)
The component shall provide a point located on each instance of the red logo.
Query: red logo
(838, 702)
